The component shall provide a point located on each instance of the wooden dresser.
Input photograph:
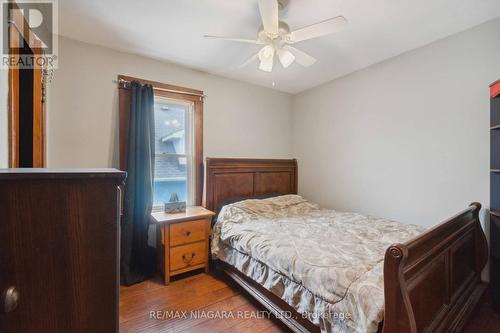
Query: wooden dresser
(59, 234)
(183, 240)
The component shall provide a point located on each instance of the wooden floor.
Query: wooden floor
(198, 292)
(484, 319)
(141, 303)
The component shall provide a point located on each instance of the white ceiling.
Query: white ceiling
(173, 30)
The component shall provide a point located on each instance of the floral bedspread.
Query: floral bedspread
(328, 265)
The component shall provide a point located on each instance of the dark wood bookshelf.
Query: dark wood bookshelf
(495, 193)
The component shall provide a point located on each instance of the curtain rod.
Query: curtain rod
(122, 81)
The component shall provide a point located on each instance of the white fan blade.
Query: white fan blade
(286, 57)
(301, 57)
(317, 30)
(250, 60)
(241, 40)
(269, 14)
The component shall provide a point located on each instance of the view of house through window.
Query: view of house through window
(174, 147)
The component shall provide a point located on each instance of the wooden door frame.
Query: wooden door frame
(39, 108)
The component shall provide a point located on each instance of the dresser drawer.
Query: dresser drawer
(187, 232)
(188, 255)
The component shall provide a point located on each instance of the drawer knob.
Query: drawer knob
(188, 233)
(188, 258)
(10, 299)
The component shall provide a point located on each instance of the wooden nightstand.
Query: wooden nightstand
(183, 240)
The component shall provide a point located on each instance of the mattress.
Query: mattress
(327, 265)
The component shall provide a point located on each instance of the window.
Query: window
(174, 150)
(178, 140)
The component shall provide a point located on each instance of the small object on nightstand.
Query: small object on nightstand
(174, 205)
(183, 240)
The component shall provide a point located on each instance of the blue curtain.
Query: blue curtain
(138, 260)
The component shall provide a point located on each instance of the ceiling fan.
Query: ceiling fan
(277, 38)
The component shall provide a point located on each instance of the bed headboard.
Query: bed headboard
(232, 178)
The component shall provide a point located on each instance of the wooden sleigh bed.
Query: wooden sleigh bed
(432, 283)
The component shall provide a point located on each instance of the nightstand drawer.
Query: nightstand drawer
(187, 255)
(187, 232)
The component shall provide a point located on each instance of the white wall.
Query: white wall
(406, 139)
(240, 120)
(4, 91)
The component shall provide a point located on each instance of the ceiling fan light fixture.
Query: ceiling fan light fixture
(286, 57)
(266, 54)
(266, 57)
(266, 66)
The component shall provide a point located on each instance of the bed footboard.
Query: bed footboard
(433, 282)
